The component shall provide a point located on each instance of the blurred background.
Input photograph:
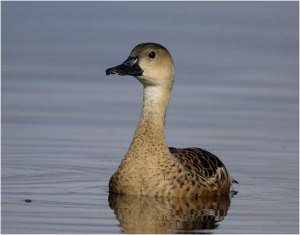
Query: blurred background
(66, 126)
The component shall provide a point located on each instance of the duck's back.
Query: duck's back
(209, 170)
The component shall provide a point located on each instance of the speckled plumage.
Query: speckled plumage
(150, 167)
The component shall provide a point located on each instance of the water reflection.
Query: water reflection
(164, 215)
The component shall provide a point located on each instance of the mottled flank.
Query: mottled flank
(150, 167)
(206, 167)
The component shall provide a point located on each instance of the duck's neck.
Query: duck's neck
(156, 100)
(150, 134)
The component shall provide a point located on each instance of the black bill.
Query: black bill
(128, 67)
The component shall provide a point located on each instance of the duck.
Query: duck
(150, 167)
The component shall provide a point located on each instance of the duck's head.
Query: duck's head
(150, 63)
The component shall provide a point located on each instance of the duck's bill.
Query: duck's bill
(128, 67)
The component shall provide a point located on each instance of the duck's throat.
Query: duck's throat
(150, 134)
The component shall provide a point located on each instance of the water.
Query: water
(66, 126)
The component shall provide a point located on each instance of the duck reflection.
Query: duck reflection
(148, 214)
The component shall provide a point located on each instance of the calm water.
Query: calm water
(66, 126)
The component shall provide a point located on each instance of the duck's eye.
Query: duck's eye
(152, 55)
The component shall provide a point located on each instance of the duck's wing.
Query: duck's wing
(205, 164)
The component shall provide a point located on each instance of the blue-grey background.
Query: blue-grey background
(66, 126)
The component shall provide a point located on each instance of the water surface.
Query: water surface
(66, 126)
